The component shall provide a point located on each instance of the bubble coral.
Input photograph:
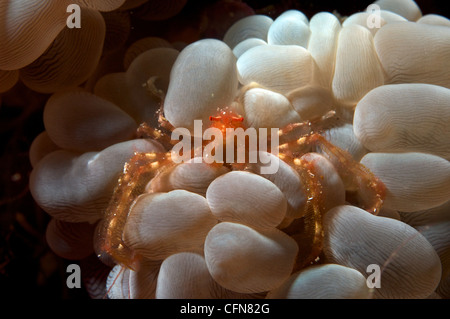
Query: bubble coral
(36, 41)
(205, 232)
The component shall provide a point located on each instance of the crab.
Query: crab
(297, 139)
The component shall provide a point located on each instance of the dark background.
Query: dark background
(27, 265)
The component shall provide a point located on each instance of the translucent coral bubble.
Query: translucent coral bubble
(409, 266)
(231, 199)
(244, 260)
(162, 224)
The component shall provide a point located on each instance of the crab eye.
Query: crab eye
(237, 119)
(215, 118)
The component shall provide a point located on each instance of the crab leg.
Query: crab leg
(141, 168)
(356, 177)
(311, 236)
(309, 230)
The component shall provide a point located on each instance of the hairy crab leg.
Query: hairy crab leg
(355, 176)
(308, 231)
(371, 188)
(312, 235)
(141, 168)
(146, 131)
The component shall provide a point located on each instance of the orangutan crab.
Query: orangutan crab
(300, 139)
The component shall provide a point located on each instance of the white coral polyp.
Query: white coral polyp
(221, 245)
